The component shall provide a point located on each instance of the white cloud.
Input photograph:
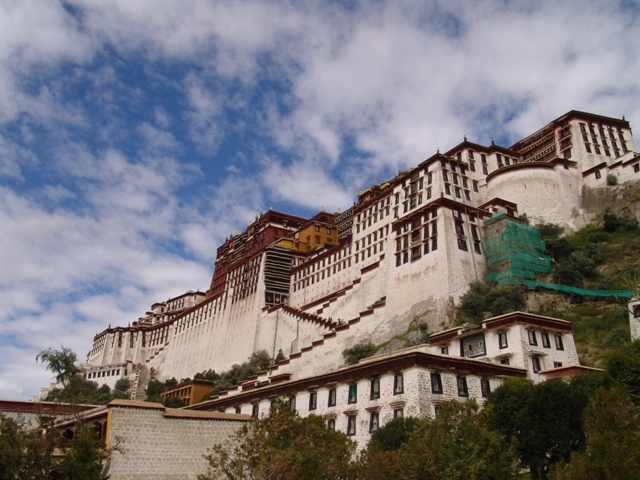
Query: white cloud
(106, 206)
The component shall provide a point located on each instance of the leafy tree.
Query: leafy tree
(614, 223)
(83, 456)
(457, 444)
(623, 364)
(152, 392)
(612, 424)
(81, 391)
(279, 357)
(79, 457)
(544, 419)
(173, 402)
(257, 362)
(210, 375)
(550, 230)
(61, 362)
(559, 249)
(356, 353)
(121, 389)
(283, 446)
(568, 273)
(393, 435)
(25, 454)
(486, 297)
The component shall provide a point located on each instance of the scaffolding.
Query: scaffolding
(515, 255)
(514, 251)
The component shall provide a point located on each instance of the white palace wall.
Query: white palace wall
(385, 275)
(546, 193)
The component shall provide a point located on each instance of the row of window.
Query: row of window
(463, 390)
(533, 339)
(367, 222)
(374, 393)
(104, 373)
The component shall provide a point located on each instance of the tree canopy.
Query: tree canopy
(283, 446)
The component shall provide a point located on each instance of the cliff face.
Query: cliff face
(621, 199)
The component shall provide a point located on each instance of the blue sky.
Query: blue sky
(136, 136)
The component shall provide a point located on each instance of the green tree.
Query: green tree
(29, 453)
(457, 444)
(210, 375)
(393, 435)
(612, 424)
(485, 298)
(121, 388)
(279, 357)
(614, 223)
(173, 402)
(623, 364)
(356, 353)
(283, 446)
(61, 362)
(380, 459)
(544, 419)
(25, 454)
(559, 249)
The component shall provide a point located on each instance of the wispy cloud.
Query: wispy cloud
(136, 136)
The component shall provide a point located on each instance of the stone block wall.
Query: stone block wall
(158, 443)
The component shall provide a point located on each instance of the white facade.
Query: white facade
(359, 399)
(408, 250)
(532, 342)
(634, 319)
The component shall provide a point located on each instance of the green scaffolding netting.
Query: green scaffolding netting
(517, 254)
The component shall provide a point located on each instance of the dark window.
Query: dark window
(398, 413)
(485, 386)
(398, 383)
(375, 388)
(436, 383)
(463, 391)
(332, 398)
(255, 410)
(559, 344)
(504, 361)
(502, 340)
(292, 404)
(636, 167)
(557, 364)
(331, 424)
(533, 340)
(373, 421)
(353, 393)
(444, 350)
(545, 340)
(313, 400)
(598, 174)
(238, 410)
(351, 425)
(535, 362)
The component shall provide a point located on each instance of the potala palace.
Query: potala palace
(401, 256)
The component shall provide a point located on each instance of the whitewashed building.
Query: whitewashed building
(403, 254)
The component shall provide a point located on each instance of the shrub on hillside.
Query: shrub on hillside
(489, 298)
(614, 223)
(550, 229)
(356, 353)
(559, 249)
